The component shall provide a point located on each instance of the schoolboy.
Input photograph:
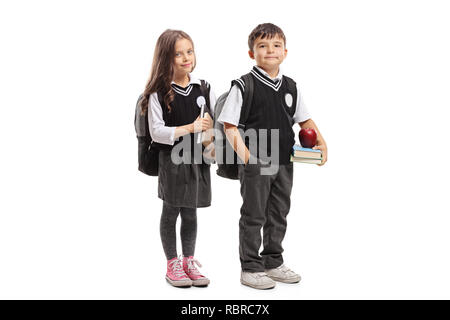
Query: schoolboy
(266, 197)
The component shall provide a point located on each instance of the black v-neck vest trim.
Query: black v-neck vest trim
(183, 91)
(274, 84)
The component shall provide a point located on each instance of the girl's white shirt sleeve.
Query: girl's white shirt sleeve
(158, 130)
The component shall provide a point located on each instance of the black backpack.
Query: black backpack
(230, 170)
(148, 153)
(148, 150)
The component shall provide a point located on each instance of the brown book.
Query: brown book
(300, 152)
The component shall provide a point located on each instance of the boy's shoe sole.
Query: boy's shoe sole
(292, 280)
(200, 282)
(260, 287)
(179, 283)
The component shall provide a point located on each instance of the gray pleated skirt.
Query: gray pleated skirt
(183, 185)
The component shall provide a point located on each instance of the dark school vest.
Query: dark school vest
(270, 110)
(184, 110)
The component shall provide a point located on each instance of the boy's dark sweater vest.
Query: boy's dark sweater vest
(269, 100)
(184, 110)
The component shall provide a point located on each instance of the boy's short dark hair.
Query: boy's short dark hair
(265, 30)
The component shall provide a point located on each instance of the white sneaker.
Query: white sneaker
(257, 280)
(283, 274)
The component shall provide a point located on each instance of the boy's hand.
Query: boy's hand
(210, 152)
(322, 147)
(235, 139)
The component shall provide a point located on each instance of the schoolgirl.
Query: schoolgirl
(171, 96)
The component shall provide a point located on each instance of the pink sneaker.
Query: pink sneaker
(175, 274)
(191, 270)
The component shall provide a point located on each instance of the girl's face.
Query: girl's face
(184, 57)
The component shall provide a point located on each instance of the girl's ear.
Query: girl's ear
(251, 54)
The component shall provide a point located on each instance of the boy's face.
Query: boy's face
(268, 53)
(184, 57)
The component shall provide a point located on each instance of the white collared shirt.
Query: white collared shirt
(231, 111)
(158, 130)
(277, 77)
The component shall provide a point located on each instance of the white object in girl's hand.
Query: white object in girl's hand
(201, 102)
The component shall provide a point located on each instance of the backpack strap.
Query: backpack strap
(246, 85)
(205, 88)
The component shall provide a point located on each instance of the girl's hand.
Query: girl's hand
(322, 147)
(210, 120)
(201, 124)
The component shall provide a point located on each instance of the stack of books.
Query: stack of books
(306, 155)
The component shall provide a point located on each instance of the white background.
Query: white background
(78, 221)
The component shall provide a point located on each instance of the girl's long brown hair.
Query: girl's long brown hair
(162, 67)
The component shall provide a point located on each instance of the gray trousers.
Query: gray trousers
(266, 203)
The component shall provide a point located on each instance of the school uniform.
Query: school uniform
(180, 185)
(266, 197)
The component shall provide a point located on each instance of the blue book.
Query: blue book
(307, 153)
(300, 148)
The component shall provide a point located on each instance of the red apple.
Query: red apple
(308, 137)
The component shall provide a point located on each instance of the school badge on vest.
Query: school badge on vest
(288, 99)
(201, 101)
